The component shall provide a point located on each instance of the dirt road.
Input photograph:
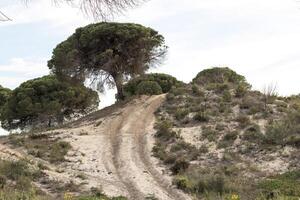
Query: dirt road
(114, 153)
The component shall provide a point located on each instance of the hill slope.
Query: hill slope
(219, 137)
(112, 153)
(215, 138)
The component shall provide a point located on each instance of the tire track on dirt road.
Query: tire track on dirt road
(132, 153)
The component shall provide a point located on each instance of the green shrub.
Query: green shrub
(287, 184)
(252, 104)
(293, 140)
(231, 136)
(58, 151)
(179, 146)
(164, 130)
(148, 88)
(16, 179)
(253, 134)
(215, 183)
(196, 91)
(276, 133)
(203, 149)
(13, 194)
(228, 139)
(181, 113)
(243, 120)
(160, 152)
(242, 90)
(217, 87)
(183, 183)
(201, 117)
(227, 96)
(15, 170)
(178, 91)
(218, 75)
(170, 97)
(224, 108)
(180, 165)
(23, 183)
(166, 82)
(209, 134)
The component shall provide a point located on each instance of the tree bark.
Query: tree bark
(118, 78)
(49, 122)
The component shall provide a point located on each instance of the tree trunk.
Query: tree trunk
(118, 78)
(49, 122)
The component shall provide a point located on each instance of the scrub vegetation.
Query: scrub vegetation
(219, 138)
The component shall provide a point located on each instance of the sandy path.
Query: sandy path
(116, 154)
(129, 137)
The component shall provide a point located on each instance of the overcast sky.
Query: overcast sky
(258, 38)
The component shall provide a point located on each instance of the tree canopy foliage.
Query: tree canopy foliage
(109, 53)
(44, 101)
(150, 84)
(219, 75)
(4, 95)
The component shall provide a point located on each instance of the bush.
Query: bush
(231, 136)
(148, 88)
(13, 194)
(227, 96)
(215, 184)
(183, 183)
(293, 140)
(181, 113)
(58, 151)
(241, 90)
(252, 104)
(228, 140)
(197, 91)
(275, 134)
(160, 152)
(164, 130)
(201, 117)
(23, 183)
(178, 91)
(209, 134)
(180, 165)
(243, 120)
(253, 134)
(219, 75)
(14, 170)
(218, 87)
(287, 184)
(170, 97)
(166, 83)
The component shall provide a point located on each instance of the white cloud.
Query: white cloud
(62, 18)
(259, 39)
(19, 70)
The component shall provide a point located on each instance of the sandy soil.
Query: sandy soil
(114, 153)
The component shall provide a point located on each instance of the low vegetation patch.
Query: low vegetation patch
(16, 179)
(44, 146)
(287, 184)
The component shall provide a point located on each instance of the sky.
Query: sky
(258, 39)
